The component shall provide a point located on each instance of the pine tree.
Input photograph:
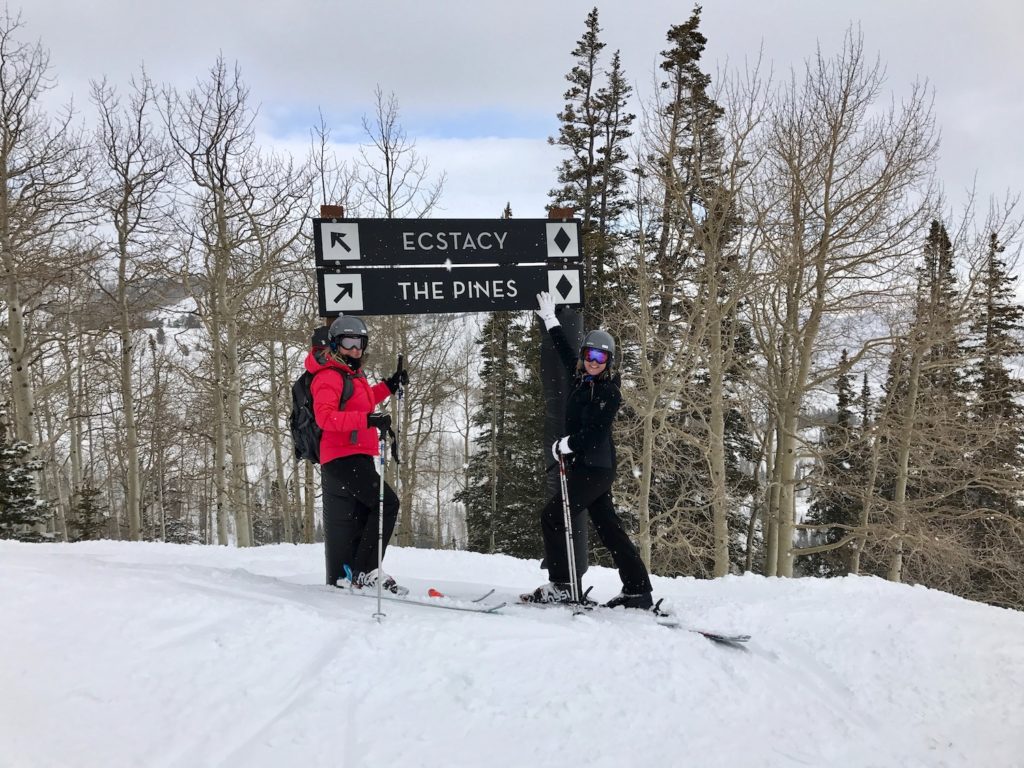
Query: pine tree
(943, 421)
(88, 517)
(864, 404)
(506, 474)
(837, 474)
(689, 438)
(594, 128)
(688, 157)
(997, 329)
(179, 531)
(926, 428)
(21, 511)
(942, 373)
(264, 525)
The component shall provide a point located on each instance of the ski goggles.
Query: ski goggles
(350, 342)
(592, 355)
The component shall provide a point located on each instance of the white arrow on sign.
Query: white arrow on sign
(340, 242)
(564, 285)
(343, 293)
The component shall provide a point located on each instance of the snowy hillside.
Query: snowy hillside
(115, 654)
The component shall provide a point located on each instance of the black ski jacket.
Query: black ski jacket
(589, 410)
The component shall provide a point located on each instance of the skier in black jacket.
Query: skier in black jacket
(589, 453)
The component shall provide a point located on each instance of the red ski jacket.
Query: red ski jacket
(344, 431)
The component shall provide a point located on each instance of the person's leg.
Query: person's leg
(583, 487)
(344, 519)
(552, 526)
(580, 535)
(362, 480)
(632, 571)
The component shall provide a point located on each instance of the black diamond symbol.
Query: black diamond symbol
(564, 286)
(562, 240)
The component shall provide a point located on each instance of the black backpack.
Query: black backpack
(305, 431)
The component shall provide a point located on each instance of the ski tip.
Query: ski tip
(434, 593)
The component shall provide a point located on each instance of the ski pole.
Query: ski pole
(570, 549)
(399, 393)
(380, 521)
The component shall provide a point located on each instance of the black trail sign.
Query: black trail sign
(410, 242)
(398, 291)
(421, 266)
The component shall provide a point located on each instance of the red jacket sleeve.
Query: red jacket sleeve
(381, 392)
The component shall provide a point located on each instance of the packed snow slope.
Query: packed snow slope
(119, 654)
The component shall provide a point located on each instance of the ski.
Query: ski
(438, 593)
(722, 638)
(659, 617)
(429, 602)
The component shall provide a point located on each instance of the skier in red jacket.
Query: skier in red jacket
(348, 446)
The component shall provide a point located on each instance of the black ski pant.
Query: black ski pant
(351, 513)
(590, 489)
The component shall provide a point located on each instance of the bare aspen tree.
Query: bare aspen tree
(686, 275)
(703, 178)
(646, 392)
(75, 410)
(336, 182)
(426, 399)
(249, 209)
(461, 417)
(46, 425)
(279, 403)
(396, 179)
(396, 182)
(42, 197)
(136, 164)
(837, 208)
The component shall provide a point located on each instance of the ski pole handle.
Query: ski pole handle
(400, 363)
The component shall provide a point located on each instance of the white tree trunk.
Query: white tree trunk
(131, 434)
(899, 497)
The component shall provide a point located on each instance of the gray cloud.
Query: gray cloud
(446, 60)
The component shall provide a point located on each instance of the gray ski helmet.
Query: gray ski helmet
(599, 340)
(346, 325)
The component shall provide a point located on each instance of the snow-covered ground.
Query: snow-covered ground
(116, 654)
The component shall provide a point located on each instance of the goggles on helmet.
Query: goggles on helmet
(592, 355)
(349, 342)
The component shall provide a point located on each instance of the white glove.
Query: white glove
(547, 310)
(560, 446)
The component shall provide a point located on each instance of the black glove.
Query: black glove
(379, 421)
(396, 379)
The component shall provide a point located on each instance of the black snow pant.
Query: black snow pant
(351, 512)
(590, 489)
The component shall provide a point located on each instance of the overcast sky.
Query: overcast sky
(480, 82)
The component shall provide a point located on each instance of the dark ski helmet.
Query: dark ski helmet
(598, 340)
(320, 337)
(346, 325)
